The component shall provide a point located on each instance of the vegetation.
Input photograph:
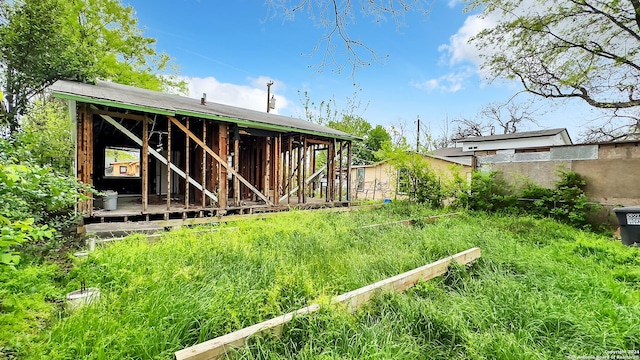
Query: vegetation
(42, 41)
(541, 290)
(567, 202)
(577, 49)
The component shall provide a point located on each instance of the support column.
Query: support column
(168, 166)
(340, 172)
(276, 169)
(222, 171)
(204, 163)
(236, 166)
(304, 170)
(144, 164)
(187, 152)
(267, 166)
(349, 160)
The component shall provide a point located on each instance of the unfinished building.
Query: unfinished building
(166, 156)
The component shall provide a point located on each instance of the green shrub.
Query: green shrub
(490, 192)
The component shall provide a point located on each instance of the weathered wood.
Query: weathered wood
(223, 163)
(157, 155)
(204, 163)
(267, 166)
(218, 347)
(304, 183)
(340, 175)
(144, 165)
(399, 283)
(187, 152)
(223, 148)
(290, 168)
(169, 165)
(276, 170)
(236, 168)
(120, 115)
(349, 161)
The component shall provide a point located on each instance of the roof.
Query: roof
(451, 152)
(518, 135)
(133, 98)
(465, 162)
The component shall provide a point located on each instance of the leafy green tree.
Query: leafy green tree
(46, 134)
(573, 49)
(42, 41)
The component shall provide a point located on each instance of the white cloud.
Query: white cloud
(252, 96)
(451, 82)
(458, 50)
(452, 3)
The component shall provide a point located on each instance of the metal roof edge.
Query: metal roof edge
(120, 105)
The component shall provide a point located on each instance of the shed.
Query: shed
(180, 157)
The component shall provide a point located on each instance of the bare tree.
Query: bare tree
(613, 130)
(508, 118)
(337, 16)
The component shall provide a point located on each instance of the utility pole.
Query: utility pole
(271, 103)
(418, 136)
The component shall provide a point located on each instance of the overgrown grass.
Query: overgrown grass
(541, 290)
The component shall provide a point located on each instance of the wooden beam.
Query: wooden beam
(120, 115)
(187, 152)
(169, 165)
(304, 169)
(349, 161)
(219, 159)
(157, 155)
(290, 168)
(340, 174)
(218, 347)
(236, 168)
(267, 166)
(276, 169)
(204, 163)
(144, 164)
(223, 148)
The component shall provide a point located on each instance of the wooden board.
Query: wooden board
(218, 347)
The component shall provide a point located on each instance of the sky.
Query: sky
(231, 49)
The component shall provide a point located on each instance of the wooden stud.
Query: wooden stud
(340, 172)
(222, 161)
(267, 166)
(349, 160)
(168, 165)
(236, 167)
(187, 152)
(204, 164)
(276, 168)
(290, 167)
(304, 170)
(144, 164)
(299, 169)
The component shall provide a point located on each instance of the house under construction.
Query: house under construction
(173, 157)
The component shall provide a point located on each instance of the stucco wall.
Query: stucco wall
(612, 171)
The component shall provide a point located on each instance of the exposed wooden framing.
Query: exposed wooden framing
(306, 181)
(223, 146)
(304, 170)
(187, 152)
(169, 165)
(267, 166)
(223, 163)
(218, 347)
(349, 160)
(340, 172)
(144, 164)
(276, 169)
(120, 115)
(330, 170)
(313, 167)
(299, 170)
(204, 163)
(85, 155)
(157, 155)
(236, 167)
(289, 168)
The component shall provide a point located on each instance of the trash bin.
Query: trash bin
(629, 220)
(110, 200)
(387, 201)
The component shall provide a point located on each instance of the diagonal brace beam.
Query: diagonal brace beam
(219, 159)
(157, 155)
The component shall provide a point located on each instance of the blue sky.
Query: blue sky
(231, 49)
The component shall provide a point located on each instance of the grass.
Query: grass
(541, 290)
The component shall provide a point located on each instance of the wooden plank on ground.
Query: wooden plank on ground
(218, 347)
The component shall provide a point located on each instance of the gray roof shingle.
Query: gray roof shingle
(129, 97)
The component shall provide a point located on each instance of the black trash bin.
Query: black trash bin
(629, 220)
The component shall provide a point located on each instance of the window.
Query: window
(120, 162)
(360, 179)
